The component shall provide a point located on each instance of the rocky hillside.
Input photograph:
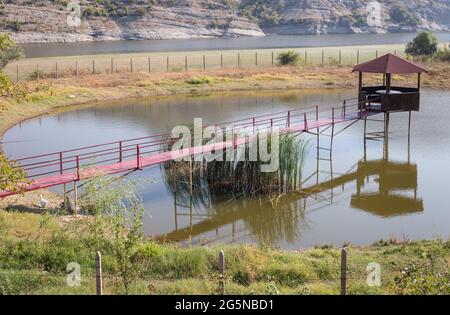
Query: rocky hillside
(56, 20)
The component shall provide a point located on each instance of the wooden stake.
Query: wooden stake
(112, 66)
(343, 271)
(239, 60)
(131, 65)
(222, 263)
(98, 274)
(17, 73)
(221, 61)
(185, 63)
(204, 62)
(93, 66)
(37, 71)
(167, 63)
(76, 68)
(56, 69)
(149, 65)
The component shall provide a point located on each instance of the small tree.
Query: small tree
(288, 58)
(11, 174)
(9, 51)
(424, 44)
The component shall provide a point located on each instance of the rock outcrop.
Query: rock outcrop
(49, 21)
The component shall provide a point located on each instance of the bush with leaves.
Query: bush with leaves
(11, 175)
(118, 220)
(288, 58)
(429, 277)
(424, 44)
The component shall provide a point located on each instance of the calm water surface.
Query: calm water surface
(275, 41)
(401, 191)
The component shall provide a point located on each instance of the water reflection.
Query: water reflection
(381, 187)
(395, 180)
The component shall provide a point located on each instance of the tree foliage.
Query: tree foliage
(10, 174)
(424, 44)
(288, 58)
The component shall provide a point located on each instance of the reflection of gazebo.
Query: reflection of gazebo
(393, 178)
(387, 98)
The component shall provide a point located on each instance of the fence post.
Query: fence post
(37, 71)
(357, 57)
(93, 66)
(185, 63)
(340, 57)
(56, 70)
(98, 274)
(112, 66)
(343, 271)
(222, 272)
(323, 57)
(76, 68)
(239, 60)
(149, 65)
(167, 63)
(272, 59)
(256, 59)
(221, 61)
(204, 62)
(306, 57)
(376, 53)
(289, 119)
(131, 65)
(17, 72)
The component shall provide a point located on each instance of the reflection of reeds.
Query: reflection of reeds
(219, 180)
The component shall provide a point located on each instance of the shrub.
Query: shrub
(443, 55)
(288, 58)
(424, 44)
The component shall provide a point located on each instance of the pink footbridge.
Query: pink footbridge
(57, 168)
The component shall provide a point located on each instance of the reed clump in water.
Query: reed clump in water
(241, 178)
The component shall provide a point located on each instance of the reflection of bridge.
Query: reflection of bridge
(394, 179)
(53, 169)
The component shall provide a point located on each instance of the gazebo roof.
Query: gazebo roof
(390, 64)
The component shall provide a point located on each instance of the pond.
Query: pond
(388, 190)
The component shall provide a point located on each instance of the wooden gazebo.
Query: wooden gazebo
(388, 98)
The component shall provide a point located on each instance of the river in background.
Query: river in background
(273, 41)
(395, 191)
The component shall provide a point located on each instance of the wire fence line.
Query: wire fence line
(348, 274)
(36, 69)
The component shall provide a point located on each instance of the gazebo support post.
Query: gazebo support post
(388, 82)
(418, 81)
(360, 81)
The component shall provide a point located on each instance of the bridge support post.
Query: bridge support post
(75, 198)
(65, 198)
(138, 157)
(191, 191)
